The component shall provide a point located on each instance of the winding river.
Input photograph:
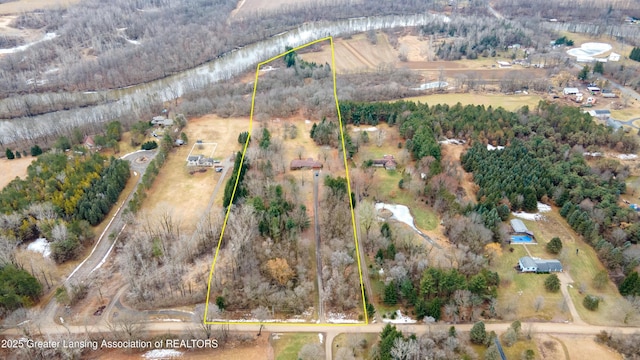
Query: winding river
(131, 100)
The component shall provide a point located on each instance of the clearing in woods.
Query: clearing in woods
(249, 7)
(509, 102)
(10, 169)
(244, 151)
(186, 194)
(22, 6)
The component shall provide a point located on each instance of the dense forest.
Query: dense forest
(465, 291)
(59, 200)
(93, 52)
(263, 262)
(547, 145)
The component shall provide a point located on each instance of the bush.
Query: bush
(528, 355)
(591, 302)
(554, 246)
(242, 138)
(600, 280)
(149, 145)
(552, 283)
(9, 154)
(36, 150)
(478, 333)
(510, 337)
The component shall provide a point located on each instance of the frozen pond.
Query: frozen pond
(589, 50)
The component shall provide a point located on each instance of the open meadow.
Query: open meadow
(21, 6)
(185, 194)
(10, 169)
(509, 102)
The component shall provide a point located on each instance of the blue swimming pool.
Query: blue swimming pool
(521, 239)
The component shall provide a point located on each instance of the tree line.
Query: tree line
(60, 198)
(543, 161)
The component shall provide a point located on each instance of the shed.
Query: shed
(519, 227)
(297, 164)
(571, 91)
(600, 114)
(593, 89)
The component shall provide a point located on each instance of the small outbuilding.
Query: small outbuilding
(571, 91)
(298, 164)
(519, 227)
(161, 120)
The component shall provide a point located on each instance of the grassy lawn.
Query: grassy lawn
(289, 345)
(582, 268)
(518, 292)
(516, 351)
(509, 102)
(625, 114)
(361, 343)
(386, 189)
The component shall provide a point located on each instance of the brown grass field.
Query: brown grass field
(21, 6)
(10, 169)
(247, 7)
(355, 54)
(188, 195)
(509, 102)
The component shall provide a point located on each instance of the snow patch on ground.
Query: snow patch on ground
(159, 354)
(400, 213)
(432, 85)
(13, 50)
(452, 141)
(594, 154)
(543, 207)
(41, 246)
(340, 318)
(367, 129)
(400, 319)
(533, 217)
(627, 156)
(491, 147)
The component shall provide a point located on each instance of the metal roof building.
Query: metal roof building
(519, 227)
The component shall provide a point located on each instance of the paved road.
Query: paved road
(139, 161)
(333, 330)
(316, 230)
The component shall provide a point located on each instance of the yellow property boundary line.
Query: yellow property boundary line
(353, 218)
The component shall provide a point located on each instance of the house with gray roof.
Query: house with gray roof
(536, 265)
